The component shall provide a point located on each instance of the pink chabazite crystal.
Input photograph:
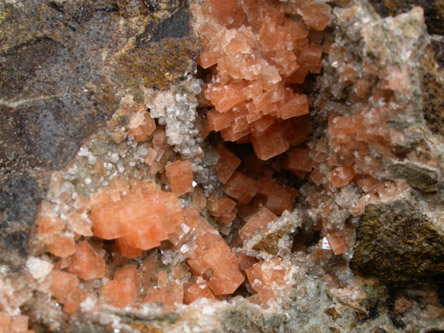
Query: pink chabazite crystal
(87, 263)
(268, 278)
(336, 244)
(124, 289)
(196, 291)
(241, 187)
(213, 259)
(61, 246)
(62, 284)
(341, 176)
(180, 177)
(257, 222)
(256, 60)
(141, 126)
(139, 218)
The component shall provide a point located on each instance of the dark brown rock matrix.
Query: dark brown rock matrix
(64, 66)
(396, 243)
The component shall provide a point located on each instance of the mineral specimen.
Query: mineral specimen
(264, 166)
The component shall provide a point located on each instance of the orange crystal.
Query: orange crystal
(61, 246)
(337, 244)
(124, 289)
(226, 276)
(241, 187)
(126, 250)
(170, 294)
(278, 198)
(254, 62)
(257, 222)
(145, 234)
(213, 257)
(245, 261)
(5, 322)
(299, 160)
(62, 284)
(49, 225)
(268, 278)
(19, 324)
(142, 128)
(341, 176)
(107, 219)
(196, 291)
(74, 300)
(86, 263)
(269, 144)
(227, 164)
(218, 206)
(140, 217)
(180, 177)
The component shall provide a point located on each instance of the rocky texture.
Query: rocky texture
(433, 85)
(19, 198)
(433, 11)
(433, 76)
(397, 243)
(376, 164)
(64, 69)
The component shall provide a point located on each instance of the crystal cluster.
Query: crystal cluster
(259, 52)
(257, 55)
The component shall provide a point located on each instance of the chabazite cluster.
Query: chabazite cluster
(257, 192)
(259, 53)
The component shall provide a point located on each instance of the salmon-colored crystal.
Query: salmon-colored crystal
(86, 263)
(107, 219)
(196, 291)
(278, 198)
(19, 324)
(191, 219)
(337, 244)
(269, 144)
(49, 225)
(316, 177)
(296, 130)
(124, 289)
(199, 199)
(299, 160)
(167, 207)
(140, 218)
(218, 206)
(62, 284)
(253, 64)
(170, 294)
(214, 259)
(268, 278)
(126, 250)
(227, 164)
(294, 105)
(73, 301)
(256, 223)
(225, 274)
(218, 121)
(241, 187)
(142, 128)
(180, 177)
(5, 322)
(245, 261)
(61, 246)
(227, 217)
(316, 15)
(146, 233)
(341, 176)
